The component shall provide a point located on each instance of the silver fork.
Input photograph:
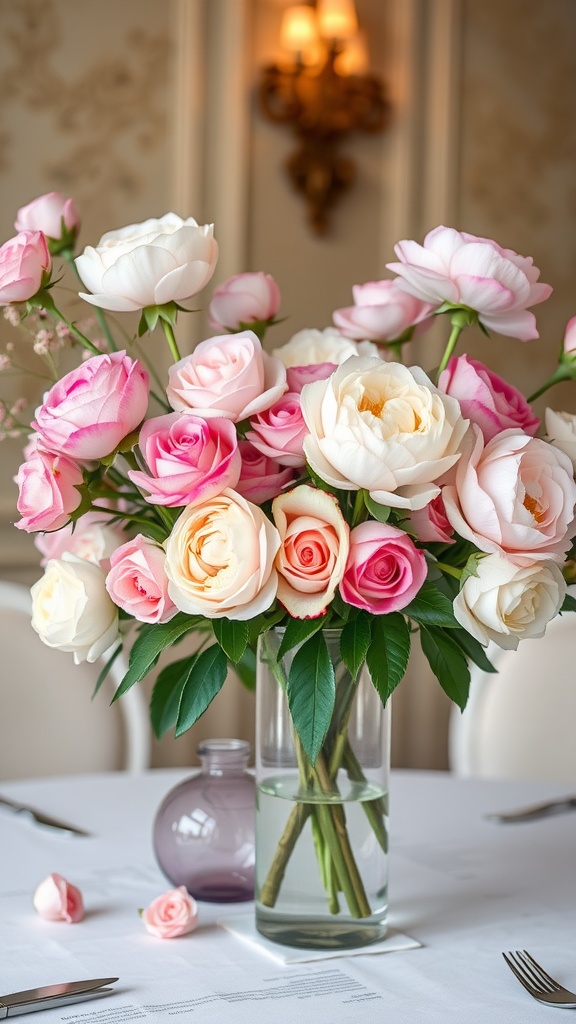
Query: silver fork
(537, 982)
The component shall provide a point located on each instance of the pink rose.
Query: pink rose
(382, 311)
(90, 410)
(172, 914)
(137, 581)
(486, 399)
(261, 478)
(298, 376)
(314, 548)
(189, 458)
(464, 270)
(242, 299)
(279, 431)
(514, 497)
(53, 214)
(229, 376)
(90, 537)
(569, 345)
(56, 899)
(431, 524)
(25, 266)
(48, 491)
(384, 570)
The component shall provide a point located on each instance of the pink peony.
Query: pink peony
(90, 410)
(382, 311)
(48, 491)
(189, 458)
(229, 376)
(486, 399)
(514, 497)
(242, 299)
(261, 478)
(464, 270)
(384, 570)
(25, 266)
(172, 914)
(137, 581)
(279, 431)
(53, 214)
(56, 899)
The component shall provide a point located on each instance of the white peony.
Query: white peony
(311, 347)
(561, 432)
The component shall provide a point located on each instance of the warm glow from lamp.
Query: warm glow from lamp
(298, 32)
(354, 58)
(336, 19)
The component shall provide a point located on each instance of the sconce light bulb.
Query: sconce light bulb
(337, 19)
(298, 30)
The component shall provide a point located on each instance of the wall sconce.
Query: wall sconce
(323, 93)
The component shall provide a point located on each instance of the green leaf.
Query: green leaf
(381, 513)
(232, 637)
(448, 663)
(473, 649)
(148, 647)
(298, 630)
(246, 669)
(205, 680)
(387, 656)
(167, 694)
(354, 642)
(106, 669)
(431, 607)
(311, 693)
(569, 604)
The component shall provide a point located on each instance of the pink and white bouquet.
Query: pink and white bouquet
(317, 482)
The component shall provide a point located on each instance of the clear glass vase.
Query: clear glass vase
(321, 830)
(203, 831)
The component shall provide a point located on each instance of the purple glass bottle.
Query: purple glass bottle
(204, 828)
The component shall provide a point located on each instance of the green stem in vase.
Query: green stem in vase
(373, 809)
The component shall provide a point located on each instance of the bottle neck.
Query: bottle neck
(223, 756)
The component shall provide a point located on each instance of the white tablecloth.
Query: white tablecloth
(465, 887)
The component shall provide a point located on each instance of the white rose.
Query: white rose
(148, 264)
(310, 347)
(561, 432)
(505, 603)
(220, 559)
(383, 427)
(71, 609)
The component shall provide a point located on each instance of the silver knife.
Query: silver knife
(48, 996)
(42, 819)
(542, 810)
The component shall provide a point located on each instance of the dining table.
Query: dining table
(463, 888)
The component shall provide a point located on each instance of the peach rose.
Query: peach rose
(311, 560)
(220, 559)
(173, 913)
(56, 899)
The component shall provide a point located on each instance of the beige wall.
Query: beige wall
(139, 107)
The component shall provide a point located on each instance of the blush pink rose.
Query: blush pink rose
(569, 344)
(53, 214)
(465, 270)
(431, 524)
(137, 581)
(261, 478)
(25, 265)
(382, 311)
(242, 299)
(91, 537)
(298, 376)
(486, 399)
(230, 375)
(90, 410)
(279, 432)
(384, 570)
(48, 491)
(173, 913)
(56, 899)
(189, 458)
(514, 497)
(312, 556)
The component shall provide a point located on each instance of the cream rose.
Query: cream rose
(506, 603)
(383, 427)
(315, 544)
(71, 609)
(561, 432)
(311, 346)
(220, 559)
